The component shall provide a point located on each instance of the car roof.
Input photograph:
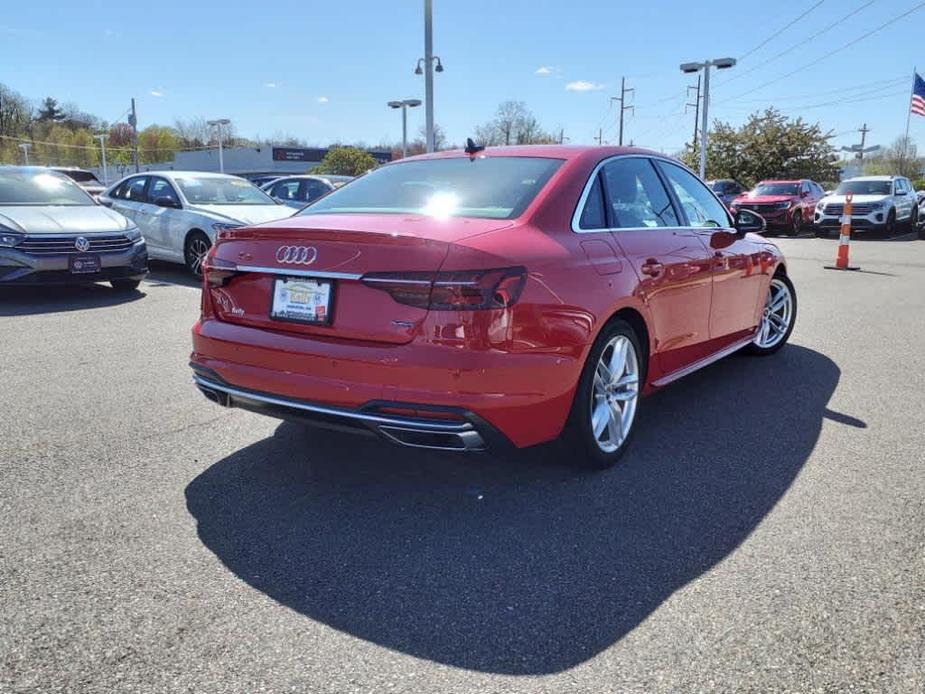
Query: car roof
(547, 151)
(873, 178)
(782, 180)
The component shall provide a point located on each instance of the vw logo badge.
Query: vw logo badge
(296, 255)
(81, 244)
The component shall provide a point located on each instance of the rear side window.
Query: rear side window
(132, 189)
(287, 190)
(700, 206)
(592, 216)
(635, 194)
(312, 190)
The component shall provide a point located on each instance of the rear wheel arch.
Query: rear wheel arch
(637, 322)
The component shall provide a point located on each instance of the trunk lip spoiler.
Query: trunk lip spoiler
(292, 272)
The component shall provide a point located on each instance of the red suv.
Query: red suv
(471, 299)
(785, 205)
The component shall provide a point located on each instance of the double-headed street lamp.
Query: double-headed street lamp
(719, 64)
(220, 123)
(404, 105)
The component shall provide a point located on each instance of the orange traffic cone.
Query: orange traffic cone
(844, 240)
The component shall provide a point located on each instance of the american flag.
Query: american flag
(918, 96)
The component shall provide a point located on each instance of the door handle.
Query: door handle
(652, 267)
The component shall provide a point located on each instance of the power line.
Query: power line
(873, 86)
(742, 73)
(829, 54)
(780, 31)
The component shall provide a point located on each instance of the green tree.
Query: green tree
(346, 161)
(768, 145)
(50, 111)
(157, 143)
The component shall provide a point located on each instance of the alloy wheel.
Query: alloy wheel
(195, 253)
(778, 314)
(614, 394)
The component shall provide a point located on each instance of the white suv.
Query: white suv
(879, 203)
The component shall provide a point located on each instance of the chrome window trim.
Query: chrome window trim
(576, 216)
(298, 273)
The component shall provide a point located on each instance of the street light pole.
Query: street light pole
(404, 105)
(218, 125)
(102, 138)
(719, 64)
(25, 151)
(429, 74)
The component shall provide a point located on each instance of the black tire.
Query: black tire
(755, 349)
(913, 222)
(193, 251)
(796, 223)
(578, 438)
(125, 285)
(889, 228)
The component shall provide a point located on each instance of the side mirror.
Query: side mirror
(747, 221)
(804, 194)
(104, 201)
(167, 202)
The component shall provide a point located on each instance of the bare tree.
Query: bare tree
(513, 124)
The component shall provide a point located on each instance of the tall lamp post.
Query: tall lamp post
(102, 138)
(719, 64)
(404, 105)
(219, 124)
(428, 71)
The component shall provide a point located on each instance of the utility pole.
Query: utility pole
(133, 121)
(696, 107)
(863, 130)
(561, 135)
(600, 136)
(623, 107)
(25, 151)
(102, 138)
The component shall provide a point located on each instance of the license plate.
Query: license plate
(83, 264)
(302, 300)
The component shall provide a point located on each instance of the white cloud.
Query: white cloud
(583, 86)
(543, 71)
(271, 85)
(322, 99)
(156, 92)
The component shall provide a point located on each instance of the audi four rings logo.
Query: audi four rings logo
(81, 244)
(296, 255)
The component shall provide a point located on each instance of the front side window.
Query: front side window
(700, 206)
(134, 189)
(214, 190)
(39, 188)
(486, 187)
(636, 195)
(312, 190)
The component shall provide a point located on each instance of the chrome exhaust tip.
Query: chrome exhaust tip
(435, 440)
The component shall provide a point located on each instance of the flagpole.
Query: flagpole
(902, 156)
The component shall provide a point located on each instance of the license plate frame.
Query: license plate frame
(84, 264)
(314, 286)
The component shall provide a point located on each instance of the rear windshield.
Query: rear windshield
(484, 187)
(82, 176)
(777, 189)
(40, 188)
(864, 188)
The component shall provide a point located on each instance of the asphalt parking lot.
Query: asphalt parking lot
(766, 531)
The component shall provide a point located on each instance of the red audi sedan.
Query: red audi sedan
(472, 299)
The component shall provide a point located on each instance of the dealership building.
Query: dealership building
(245, 161)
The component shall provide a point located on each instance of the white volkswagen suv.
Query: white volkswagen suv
(879, 203)
(179, 213)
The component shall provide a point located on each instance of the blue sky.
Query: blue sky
(323, 71)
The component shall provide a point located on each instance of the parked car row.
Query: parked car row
(879, 203)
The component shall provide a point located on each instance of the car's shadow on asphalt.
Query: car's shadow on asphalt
(161, 273)
(518, 564)
(25, 301)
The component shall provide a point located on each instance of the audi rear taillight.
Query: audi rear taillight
(457, 290)
(217, 272)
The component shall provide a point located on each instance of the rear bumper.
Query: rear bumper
(18, 268)
(464, 432)
(524, 397)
